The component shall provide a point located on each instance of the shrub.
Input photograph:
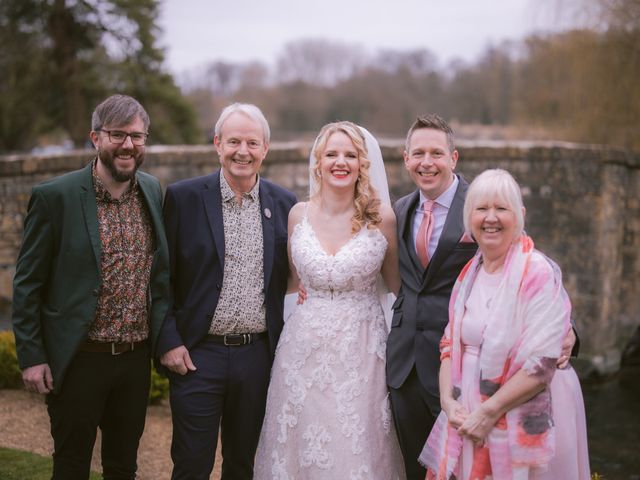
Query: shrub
(10, 376)
(159, 387)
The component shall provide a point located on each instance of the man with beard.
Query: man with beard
(90, 294)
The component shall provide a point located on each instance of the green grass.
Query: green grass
(20, 465)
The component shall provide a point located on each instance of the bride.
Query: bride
(327, 413)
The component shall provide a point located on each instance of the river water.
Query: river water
(613, 421)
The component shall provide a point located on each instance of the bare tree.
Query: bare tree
(417, 62)
(319, 62)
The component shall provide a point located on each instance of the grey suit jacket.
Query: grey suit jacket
(421, 309)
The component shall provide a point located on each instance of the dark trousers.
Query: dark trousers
(414, 413)
(228, 389)
(106, 391)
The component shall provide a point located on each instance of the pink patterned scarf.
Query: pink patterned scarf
(528, 319)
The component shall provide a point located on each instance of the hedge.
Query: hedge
(10, 376)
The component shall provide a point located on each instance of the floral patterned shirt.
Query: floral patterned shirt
(241, 305)
(126, 236)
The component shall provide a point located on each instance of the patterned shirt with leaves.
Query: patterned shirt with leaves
(126, 236)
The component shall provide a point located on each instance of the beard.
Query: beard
(119, 175)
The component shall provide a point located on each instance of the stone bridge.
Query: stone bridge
(583, 210)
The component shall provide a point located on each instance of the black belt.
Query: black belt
(236, 339)
(114, 348)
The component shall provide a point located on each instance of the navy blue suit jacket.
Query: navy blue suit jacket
(195, 234)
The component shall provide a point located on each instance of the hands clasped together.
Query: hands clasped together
(477, 424)
(474, 425)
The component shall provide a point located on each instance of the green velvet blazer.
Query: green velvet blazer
(58, 276)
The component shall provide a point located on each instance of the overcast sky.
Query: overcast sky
(199, 31)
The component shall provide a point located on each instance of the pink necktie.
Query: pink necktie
(424, 233)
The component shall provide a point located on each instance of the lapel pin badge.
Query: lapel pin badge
(267, 213)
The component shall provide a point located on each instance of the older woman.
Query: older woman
(327, 413)
(503, 416)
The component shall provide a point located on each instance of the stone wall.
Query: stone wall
(583, 210)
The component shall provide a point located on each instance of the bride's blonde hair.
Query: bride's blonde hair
(365, 198)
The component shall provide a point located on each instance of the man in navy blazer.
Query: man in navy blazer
(227, 236)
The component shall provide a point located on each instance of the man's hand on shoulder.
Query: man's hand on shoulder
(302, 294)
(567, 346)
(38, 378)
(178, 360)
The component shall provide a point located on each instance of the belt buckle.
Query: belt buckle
(244, 338)
(113, 349)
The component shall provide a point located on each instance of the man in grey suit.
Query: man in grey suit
(421, 309)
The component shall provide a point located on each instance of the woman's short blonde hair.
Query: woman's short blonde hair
(366, 198)
(491, 184)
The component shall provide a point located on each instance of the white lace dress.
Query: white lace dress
(328, 414)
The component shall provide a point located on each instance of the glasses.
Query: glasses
(118, 136)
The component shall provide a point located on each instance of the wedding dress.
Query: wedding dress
(328, 414)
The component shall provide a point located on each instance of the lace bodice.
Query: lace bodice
(353, 269)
